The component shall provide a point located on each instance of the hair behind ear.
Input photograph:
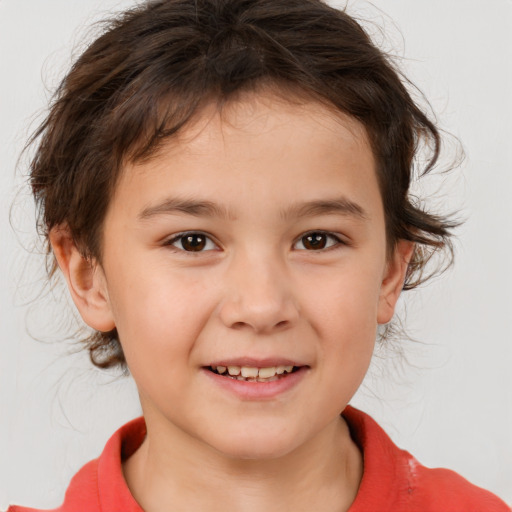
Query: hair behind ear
(394, 279)
(85, 279)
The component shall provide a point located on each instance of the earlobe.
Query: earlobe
(393, 280)
(85, 280)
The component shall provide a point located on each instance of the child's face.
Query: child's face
(282, 205)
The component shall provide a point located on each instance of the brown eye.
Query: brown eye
(192, 242)
(316, 241)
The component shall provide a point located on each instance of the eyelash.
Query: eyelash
(335, 241)
(182, 236)
(334, 238)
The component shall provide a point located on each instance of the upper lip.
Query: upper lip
(252, 362)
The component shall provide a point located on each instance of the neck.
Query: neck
(171, 471)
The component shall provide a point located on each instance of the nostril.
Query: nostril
(242, 325)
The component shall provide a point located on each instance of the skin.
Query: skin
(256, 290)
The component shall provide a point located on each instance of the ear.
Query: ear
(85, 279)
(393, 280)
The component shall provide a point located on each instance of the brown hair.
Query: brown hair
(156, 65)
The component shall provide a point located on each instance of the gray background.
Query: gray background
(452, 406)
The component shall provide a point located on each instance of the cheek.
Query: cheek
(343, 312)
(158, 312)
(344, 298)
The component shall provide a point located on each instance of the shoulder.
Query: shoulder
(100, 486)
(394, 480)
(442, 489)
(82, 493)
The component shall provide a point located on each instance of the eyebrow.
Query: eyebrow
(175, 205)
(336, 206)
(172, 206)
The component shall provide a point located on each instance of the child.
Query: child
(224, 185)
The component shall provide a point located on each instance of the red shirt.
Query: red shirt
(392, 481)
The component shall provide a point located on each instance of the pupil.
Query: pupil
(315, 241)
(193, 242)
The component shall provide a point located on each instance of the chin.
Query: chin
(255, 444)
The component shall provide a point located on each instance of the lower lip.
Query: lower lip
(258, 390)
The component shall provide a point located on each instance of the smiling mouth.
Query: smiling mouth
(254, 374)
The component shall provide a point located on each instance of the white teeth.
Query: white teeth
(266, 373)
(247, 371)
(252, 373)
(234, 370)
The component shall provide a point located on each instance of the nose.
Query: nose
(259, 296)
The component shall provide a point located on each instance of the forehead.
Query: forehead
(261, 115)
(258, 141)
